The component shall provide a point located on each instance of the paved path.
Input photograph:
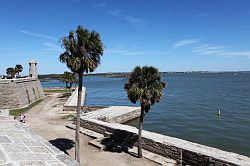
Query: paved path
(21, 147)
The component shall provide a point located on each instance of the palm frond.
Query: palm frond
(145, 85)
(83, 50)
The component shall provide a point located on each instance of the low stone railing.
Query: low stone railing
(184, 152)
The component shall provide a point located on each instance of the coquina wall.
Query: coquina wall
(15, 93)
(184, 152)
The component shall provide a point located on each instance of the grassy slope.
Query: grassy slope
(69, 117)
(16, 112)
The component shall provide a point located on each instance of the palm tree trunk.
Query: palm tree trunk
(140, 131)
(77, 140)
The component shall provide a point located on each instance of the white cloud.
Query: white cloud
(210, 49)
(51, 47)
(185, 42)
(134, 21)
(38, 35)
(11, 49)
(128, 52)
(116, 13)
(235, 53)
(39, 52)
(202, 15)
(207, 49)
(99, 5)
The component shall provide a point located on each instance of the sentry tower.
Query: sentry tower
(33, 69)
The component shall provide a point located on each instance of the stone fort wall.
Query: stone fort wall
(15, 93)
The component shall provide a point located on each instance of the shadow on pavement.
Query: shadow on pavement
(63, 144)
(120, 141)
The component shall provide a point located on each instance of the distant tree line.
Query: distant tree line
(50, 76)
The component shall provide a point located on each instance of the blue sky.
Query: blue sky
(177, 35)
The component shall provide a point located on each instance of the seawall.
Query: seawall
(15, 93)
(184, 152)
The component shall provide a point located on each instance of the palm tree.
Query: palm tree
(83, 51)
(18, 68)
(65, 78)
(145, 86)
(10, 71)
(70, 78)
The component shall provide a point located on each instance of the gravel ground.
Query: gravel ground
(45, 120)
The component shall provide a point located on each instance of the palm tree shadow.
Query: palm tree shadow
(63, 144)
(120, 141)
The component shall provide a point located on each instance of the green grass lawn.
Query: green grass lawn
(57, 90)
(17, 112)
(69, 117)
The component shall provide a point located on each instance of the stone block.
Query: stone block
(38, 149)
(67, 160)
(2, 158)
(4, 139)
(52, 148)
(32, 163)
(32, 143)
(15, 148)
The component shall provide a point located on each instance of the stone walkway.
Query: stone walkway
(21, 147)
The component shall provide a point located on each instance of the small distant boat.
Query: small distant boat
(235, 74)
(219, 113)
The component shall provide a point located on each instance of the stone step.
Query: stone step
(97, 143)
(155, 157)
(87, 132)
(107, 134)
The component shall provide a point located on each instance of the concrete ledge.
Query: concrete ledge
(85, 109)
(114, 114)
(72, 101)
(184, 152)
